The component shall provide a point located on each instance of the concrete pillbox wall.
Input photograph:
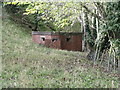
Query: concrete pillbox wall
(59, 40)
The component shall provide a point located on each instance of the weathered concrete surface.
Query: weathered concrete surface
(65, 41)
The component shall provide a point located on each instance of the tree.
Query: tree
(109, 38)
(99, 22)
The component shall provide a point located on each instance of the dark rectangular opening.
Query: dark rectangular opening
(54, 39)
(42, 38)
(68, 39)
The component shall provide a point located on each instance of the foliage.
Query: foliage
(99, 21)
(109, 38)
(26, 64)
(61, 14)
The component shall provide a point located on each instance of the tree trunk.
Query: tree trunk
(84, 31)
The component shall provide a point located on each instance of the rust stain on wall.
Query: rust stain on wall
(59, 40)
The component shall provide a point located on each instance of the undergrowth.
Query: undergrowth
(26, 64)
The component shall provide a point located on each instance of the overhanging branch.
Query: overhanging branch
(89, 11)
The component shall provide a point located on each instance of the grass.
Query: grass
(26, 64)
(0, 45)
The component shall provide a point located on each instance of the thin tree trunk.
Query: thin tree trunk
(84, 30)
(97, 24)
(94, 25)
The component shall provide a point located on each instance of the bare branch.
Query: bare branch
(93, 14)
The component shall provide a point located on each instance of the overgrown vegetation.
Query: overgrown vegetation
(99, 22)
(26, 64)
(108, 39)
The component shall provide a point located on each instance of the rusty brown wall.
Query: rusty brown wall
(48, 40)
(60, 42)
(74, 44)
(53, 41)
(35, 38)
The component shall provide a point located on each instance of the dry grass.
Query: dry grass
(26, 64)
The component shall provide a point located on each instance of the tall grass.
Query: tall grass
(26, 64)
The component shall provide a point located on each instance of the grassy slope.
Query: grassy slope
(26, 64)
(0, 43)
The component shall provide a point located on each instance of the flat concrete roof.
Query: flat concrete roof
(55, 33)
